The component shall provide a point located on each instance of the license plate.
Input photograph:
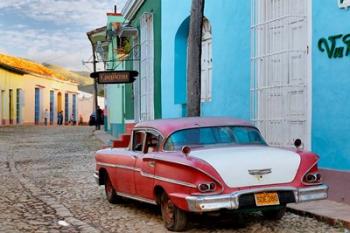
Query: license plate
(265, 199)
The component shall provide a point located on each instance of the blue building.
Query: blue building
(281, 64)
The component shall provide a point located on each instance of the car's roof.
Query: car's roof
(168, 126)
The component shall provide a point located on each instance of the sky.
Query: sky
(52, 31)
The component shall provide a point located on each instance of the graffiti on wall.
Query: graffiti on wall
(336, 46)
(344, 3)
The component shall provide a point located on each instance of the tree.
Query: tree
(194, 59)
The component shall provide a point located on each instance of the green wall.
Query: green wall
(154, 7)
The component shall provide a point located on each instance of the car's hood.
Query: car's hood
(251, 165)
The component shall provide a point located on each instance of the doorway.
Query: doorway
(2, 107)
(11, 106)
(280, 69)
(52, 101)
(147, 74)
(37, 106)
(59, 102)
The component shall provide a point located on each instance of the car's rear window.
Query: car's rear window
(218, 135)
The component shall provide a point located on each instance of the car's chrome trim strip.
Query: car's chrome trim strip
(173, 181)
(137, 198)
(116, 166)
(161, 178)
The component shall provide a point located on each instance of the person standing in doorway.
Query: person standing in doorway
(46, 116)
(60, 118)
(98, 117)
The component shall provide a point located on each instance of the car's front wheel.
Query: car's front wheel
(274, 214)
(111, 194)
(174, 218)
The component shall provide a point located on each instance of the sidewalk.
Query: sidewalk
(331, 212)
(104, 137)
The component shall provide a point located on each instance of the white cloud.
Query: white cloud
(87, 13)
(62, 40)
(65, 49)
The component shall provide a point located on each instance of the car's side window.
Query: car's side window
(152, 142)
(138, 140)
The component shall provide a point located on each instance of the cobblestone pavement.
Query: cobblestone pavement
(46, 177)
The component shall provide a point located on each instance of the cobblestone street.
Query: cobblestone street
(46, 177)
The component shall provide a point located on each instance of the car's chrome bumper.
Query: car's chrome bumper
(231, 201)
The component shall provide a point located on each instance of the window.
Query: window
(152, 142)
(138, 140)
(146, 142)
(206, 62)
(214, 136)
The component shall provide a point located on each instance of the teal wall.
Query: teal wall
(115, 92)
(154, 7)
(230, 22)
(330, 88)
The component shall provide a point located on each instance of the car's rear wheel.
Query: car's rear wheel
(111, 194)
(274, 214)
(174, 218)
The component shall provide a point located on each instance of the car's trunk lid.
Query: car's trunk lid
(241, 166)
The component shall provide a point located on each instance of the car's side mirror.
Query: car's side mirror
(186, 150)
(298, 144)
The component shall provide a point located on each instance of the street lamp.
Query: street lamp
(97, 124)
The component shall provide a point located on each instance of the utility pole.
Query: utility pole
(97, 124)
(194, 59)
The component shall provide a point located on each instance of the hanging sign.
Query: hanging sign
(114, 77)
(344, 4)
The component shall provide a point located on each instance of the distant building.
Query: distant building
(27, 89)
(86, 107)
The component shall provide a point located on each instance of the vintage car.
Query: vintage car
(206, 165)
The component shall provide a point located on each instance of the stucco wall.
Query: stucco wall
(154, 7)
(330, 89)
(230, 22)
(28, 83)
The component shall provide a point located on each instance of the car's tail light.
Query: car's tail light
(206, 187)
(312, 176)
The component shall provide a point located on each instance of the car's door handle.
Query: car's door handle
(151, 163)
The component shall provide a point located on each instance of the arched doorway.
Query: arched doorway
(59, 102)
(180, 63)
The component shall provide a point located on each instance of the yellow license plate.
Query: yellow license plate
(265, 199)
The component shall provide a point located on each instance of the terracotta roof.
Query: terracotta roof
(168, 126)
(26, 66)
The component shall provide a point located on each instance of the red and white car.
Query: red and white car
(206, 164)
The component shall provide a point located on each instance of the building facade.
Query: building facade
(145, 56)
(283, 68)
(86, 106)
(28, 89)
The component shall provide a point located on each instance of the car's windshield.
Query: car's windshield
(209, 136)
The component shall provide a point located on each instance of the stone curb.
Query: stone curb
(329, 220)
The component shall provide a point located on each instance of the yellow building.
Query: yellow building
(30, 92)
